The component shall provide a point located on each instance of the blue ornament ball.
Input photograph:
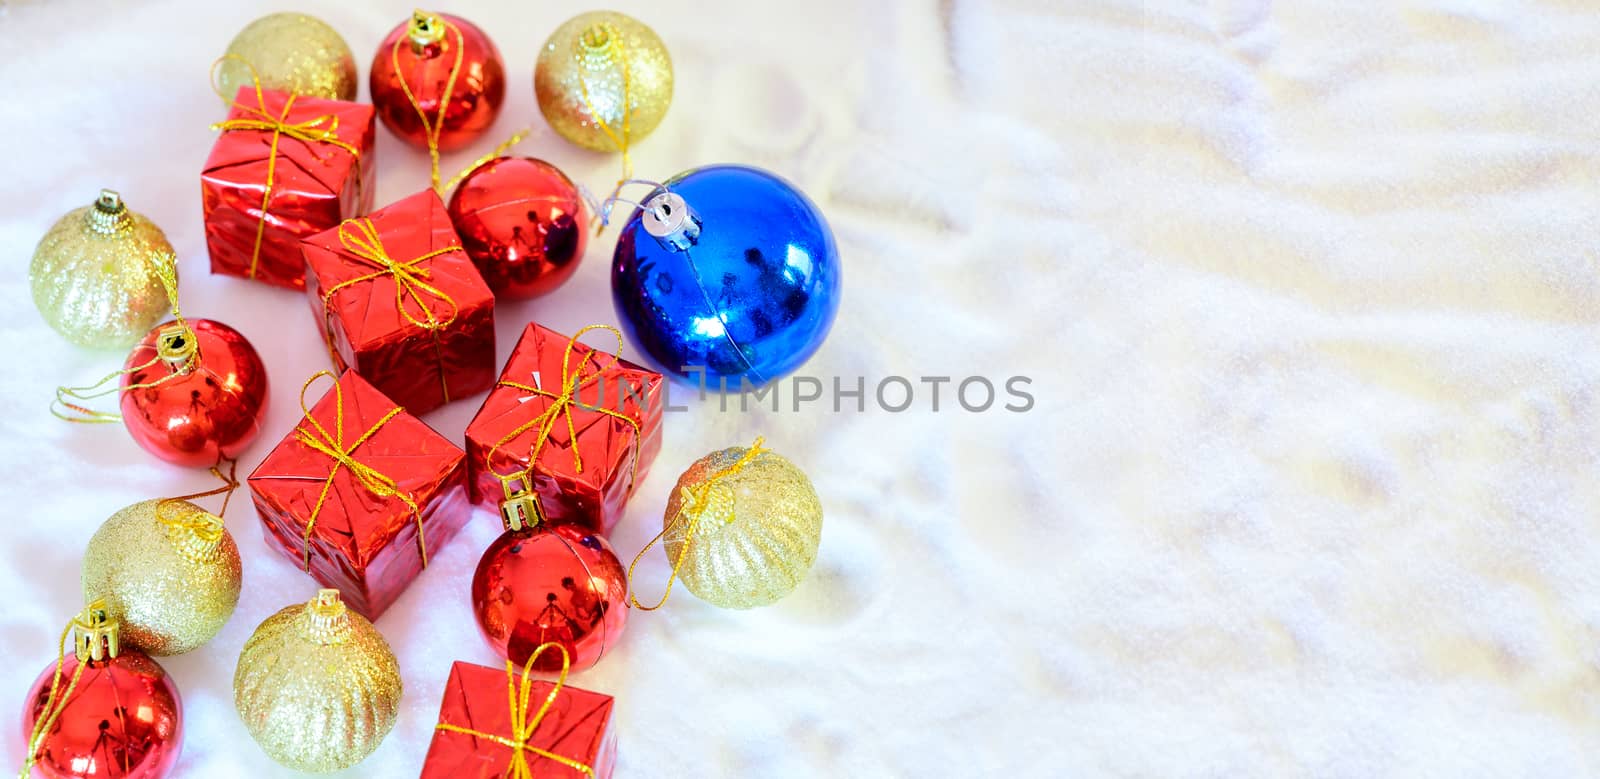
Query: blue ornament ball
(726, 271)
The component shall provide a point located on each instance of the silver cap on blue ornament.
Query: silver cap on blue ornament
(670, 220)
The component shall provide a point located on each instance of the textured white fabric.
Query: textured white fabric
(1306, 291)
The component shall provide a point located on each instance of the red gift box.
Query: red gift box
(495, 723)
(361, 494)
(399, 301)
(589, 449)
(285, 167)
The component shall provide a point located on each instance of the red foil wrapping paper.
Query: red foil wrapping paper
(399, 302)
(594, 496)
(577, 726)
(314, 184)
(362, 543)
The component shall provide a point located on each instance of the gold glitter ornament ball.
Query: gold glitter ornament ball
(168, 571)
(95, 274)
(317, 686)
(603, 80)
(758, 529)
(292, 52)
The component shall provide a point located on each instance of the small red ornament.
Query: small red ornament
(558, 584)
(193, 395)
(437, 81)
(101, 712)
(522, 223)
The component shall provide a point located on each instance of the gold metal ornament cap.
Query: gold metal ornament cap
(317, 686)
(758, 532)
(293, 52)
(96, 274)
(425, 29)
(168, 571)
(95, 634)
(603, 77)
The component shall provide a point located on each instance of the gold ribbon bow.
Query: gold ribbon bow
(68, 403)
(333, 446)
(318, 129)
(561, 404)
(522, 725)
(361, 240)
(694, 504)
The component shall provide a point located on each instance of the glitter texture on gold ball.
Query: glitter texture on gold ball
(292, 52)
(759, 523)
(95, 274)
(317, 686)
(603, 80)
(167, 570)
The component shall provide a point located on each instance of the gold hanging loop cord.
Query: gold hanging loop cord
(206, 527)
(604, 41)
(176, 345)
(499, 151)
(520, 697)
(433, 29)
(693, 504)
(96, 639)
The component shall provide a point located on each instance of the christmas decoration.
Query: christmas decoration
(741, 529)
(399, 302)
(193, 393)
(523, 224)
(167, 570)
(541, 584)
(574, 427)
(360, 494)
(290, 52)
(497, 723)
(727, 274)
(101, 711)
(96, 275)
(317, 686)
(284, 167)
(437, 82)
(604, 80)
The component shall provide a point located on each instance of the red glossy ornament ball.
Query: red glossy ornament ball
(191, 402)
(550, 584)
(123, 719)
(421, 55)
(522, 223)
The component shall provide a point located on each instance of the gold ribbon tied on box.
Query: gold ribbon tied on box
(561, 403)
(524, 723)
(706, 499)
(333, 445)
(411, 281)
(176, 345)
(318, 129)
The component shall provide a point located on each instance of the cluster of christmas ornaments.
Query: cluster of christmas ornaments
(726, 275)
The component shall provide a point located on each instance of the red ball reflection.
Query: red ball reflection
(475, 97)
(523, 223)
(550, 584)
(192, 417)
(123, 720)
